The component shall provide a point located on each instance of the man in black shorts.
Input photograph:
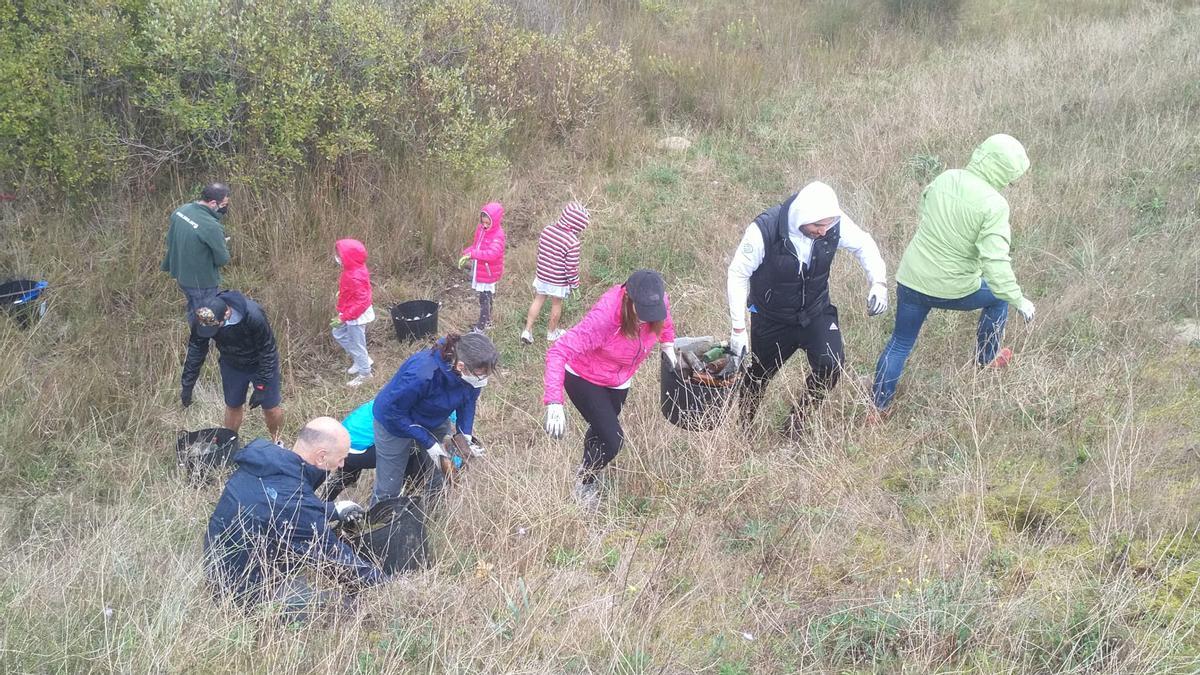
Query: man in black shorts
(248, 359)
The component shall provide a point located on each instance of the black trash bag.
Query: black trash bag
(391, 535)
(203, 456)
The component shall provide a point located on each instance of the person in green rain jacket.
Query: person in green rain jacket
(959, 260)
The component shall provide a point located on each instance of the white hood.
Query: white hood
(816, 201)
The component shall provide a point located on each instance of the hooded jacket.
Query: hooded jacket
(248, 345)
(596, 350)
(963, 233)
(487, 249)
(270, 523)
(421, 395)
(196, 248)
(558, 247)
(782, 274)
(354, 286)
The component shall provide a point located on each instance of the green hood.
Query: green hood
(999, 160)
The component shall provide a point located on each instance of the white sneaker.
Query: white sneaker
(555, 334)
(526, 337)
(353, 370)
(587, 495)
(359, 380)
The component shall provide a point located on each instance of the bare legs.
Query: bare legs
(272, 416)
(535, 308)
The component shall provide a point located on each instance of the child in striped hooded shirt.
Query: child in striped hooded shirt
(557, 269)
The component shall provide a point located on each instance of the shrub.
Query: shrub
(106, 89)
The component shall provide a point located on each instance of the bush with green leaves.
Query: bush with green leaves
(101, 90)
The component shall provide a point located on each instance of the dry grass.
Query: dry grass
(1039, 520)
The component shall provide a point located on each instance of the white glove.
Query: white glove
(1026, 310)
(739, 342)
(877, 300)
(473, 446)
(348, 511)
(436, 451)
(556, 420)
(668, 349)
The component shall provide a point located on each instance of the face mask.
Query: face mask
(477, 381)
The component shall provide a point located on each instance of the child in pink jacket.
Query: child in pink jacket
(594, 363)
(557, 269)
(486, 254)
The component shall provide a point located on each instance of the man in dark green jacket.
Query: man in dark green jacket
(196, 248)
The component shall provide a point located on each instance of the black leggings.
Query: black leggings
(348, 475)
(485, 309)
(600, 406)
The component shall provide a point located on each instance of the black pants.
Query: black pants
(773, 343)
(350, 472)
(485, 309)
(601, 407)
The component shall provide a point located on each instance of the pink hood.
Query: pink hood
(487, 249)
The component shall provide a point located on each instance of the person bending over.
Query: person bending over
(248, 359)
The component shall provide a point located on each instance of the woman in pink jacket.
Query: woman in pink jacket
(594, 363)
(486, 254)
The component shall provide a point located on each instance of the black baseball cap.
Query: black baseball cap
(210, 316)
(648, 292)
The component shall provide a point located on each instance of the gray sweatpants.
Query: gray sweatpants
(399, 459)
(353, 338)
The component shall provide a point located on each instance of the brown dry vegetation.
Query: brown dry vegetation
(1038, 520)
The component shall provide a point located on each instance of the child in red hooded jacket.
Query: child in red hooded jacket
(486, 254)
(354, 310)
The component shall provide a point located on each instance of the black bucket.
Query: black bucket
(392, 536)
(689, 405)
(203, 455)
(415, 319)
(22, 300)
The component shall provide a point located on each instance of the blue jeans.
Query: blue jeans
(195, 296)
(911, 309)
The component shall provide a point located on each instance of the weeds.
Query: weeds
(1035, 520)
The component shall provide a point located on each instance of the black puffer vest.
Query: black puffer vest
(779, 289)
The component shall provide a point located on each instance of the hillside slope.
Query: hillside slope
(1038, 520)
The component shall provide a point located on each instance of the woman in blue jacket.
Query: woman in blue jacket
(361, 425)
(411, 411)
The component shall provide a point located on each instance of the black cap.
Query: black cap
(648, 292)
(209, 317)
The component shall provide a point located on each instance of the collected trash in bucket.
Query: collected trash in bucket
(20, 298)
(695, 393)
(391, 535)
(415, 319)
(202, 455)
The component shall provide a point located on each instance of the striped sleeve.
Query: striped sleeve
(556, 263)
(571, 262)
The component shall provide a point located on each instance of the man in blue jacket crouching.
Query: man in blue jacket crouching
(270, 534)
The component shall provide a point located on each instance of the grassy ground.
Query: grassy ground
(1037, 520)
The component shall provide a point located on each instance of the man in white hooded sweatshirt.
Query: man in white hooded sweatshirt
(780, 271)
